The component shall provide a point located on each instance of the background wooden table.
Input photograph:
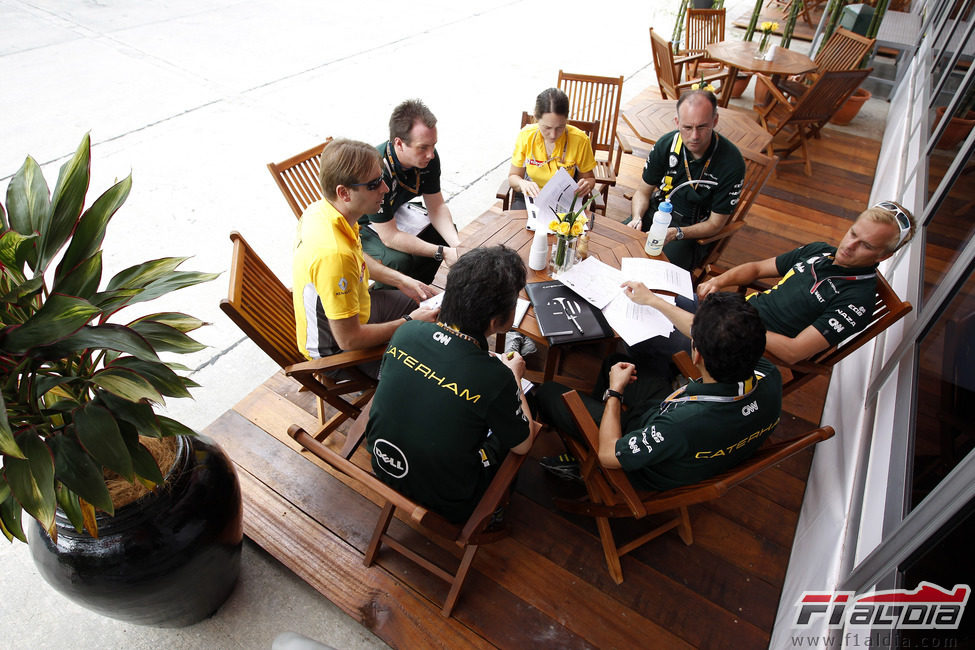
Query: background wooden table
(740, 55)
(655, 118)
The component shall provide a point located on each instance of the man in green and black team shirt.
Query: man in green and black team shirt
(402, 235)
(707, 427)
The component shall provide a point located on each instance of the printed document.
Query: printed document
(658, 275)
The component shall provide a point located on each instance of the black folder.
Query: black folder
(553, 302)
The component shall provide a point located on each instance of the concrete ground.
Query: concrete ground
(194, 97)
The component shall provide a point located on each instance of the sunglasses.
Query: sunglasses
(903, 221)
(370, 185)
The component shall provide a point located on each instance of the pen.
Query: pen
(576, 323)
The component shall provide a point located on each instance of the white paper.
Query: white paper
(520, 310)
(634, 323)
(597, 282)
(433, 302)
(556, 196)
(410, 218)
(658, 275)
(532, 209)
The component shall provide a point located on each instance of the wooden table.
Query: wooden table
(655, 118)
(609, 241)
(740, 55)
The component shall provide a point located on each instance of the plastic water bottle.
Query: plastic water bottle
(538, 257)
(658, 230)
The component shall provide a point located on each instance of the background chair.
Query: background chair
(808, 113)
(702, 27)
(610, 494)
(670, 70)
(843, 51)
(262, 307)
(467, 536)
(597, 99)
(758, 169)
(297, 178)
(505, 193)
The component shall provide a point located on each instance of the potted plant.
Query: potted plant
(78, 387)
(960, 124)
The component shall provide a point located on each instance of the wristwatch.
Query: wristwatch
(439, 254)
(612, 393)
(680, 234)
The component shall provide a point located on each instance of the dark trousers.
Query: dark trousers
(650, 388)
(416, 266)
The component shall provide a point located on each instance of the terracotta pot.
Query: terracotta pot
(741, 82)
(957, 129)
(849, 110)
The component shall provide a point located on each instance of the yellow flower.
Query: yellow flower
(576, 229)
(561, 215)
(554, 225)
(768, 27)
(582, 218)
(702, 86)
(562, 228)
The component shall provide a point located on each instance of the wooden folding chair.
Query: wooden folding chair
(597, 99)
(843, 51)
(758, 169)
(262, 307)
(670, 70)
(808, 113)
(505, 193)
(702, 27)
(298, 177)
(888, 309)
(610, 494)
(468, 536)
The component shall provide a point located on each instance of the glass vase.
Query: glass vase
(763, 46)
(563, 253)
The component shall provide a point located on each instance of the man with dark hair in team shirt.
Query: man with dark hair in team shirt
(706, 427)
(447, 409)
(400, 235)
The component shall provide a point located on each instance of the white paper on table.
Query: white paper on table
(532, 209)
(597, 282)
(634, 323)
(658, 275)
(556, 196)
(410, 218)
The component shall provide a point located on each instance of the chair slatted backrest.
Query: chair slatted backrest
(595, 99)
(758, 169)
(260, 305)
(843, 51)
(668, 77)
(826, 95)
(590, 128)
(702, 27)
(298, 178)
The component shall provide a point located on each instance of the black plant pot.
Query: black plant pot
(170, 559)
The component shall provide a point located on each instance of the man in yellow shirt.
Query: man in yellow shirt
(334, 308)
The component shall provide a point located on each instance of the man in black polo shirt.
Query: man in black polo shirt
(706, 427)
(692, 152)
(826, 293)
(401, 235)
(447, 410)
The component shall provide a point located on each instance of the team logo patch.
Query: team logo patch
(343, 284)
(390, 458)
(672, 160)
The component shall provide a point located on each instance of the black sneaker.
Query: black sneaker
(565, 466)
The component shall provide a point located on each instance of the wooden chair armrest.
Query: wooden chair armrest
(623, 144)
(338, 361)
(497, 491)
(504, 191)
(727, 231)
(775, 92)
(685, 366)
(680, 60)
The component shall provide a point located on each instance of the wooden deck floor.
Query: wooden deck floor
(547, 585)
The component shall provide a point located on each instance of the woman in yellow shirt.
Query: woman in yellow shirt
(547, 145)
